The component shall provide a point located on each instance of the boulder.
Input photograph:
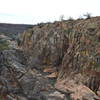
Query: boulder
(76, 91)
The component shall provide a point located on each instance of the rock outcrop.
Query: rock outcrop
(19, 82)
(71, 46)
(54, 61)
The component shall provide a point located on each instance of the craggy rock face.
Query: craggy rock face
(48, 44)
(75, 45)
(19, 82)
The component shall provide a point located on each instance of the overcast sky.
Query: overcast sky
(36, 11)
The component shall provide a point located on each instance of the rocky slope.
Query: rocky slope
(54, 61)
(71, 46)
(18, 81)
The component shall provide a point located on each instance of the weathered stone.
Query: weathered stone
(77, 91)
(72, 45)
(53, 95)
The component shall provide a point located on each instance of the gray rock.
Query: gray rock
(53, 95)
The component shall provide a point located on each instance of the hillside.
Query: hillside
(54, 61)
(12, 30)
(73, 47)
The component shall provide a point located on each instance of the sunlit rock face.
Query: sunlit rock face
(72, 45)
(48, 43)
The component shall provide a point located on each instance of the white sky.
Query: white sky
(36, 11)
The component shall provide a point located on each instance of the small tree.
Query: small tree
(61, 18)
(87, 15)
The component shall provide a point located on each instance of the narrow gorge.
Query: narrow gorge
(52, 61)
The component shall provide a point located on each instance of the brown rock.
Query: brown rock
(51, 69)
(76, 91)
(53, 75)
(98, 93)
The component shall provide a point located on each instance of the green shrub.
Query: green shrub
(4, 44)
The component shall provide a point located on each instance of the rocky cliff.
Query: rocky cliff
(50, 42)
(54, 61)
(73, 47)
